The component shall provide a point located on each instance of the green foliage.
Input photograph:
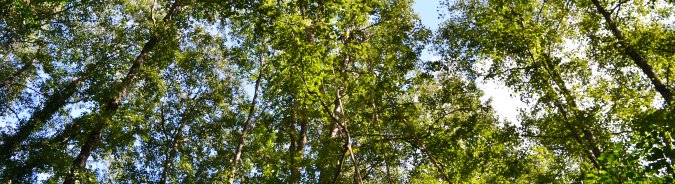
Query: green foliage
(334, 91)
(582, 72)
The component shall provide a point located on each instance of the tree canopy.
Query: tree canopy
(335, 91)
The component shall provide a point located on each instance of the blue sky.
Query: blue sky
(428, 12)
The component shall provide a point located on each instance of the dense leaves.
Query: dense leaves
(334, 91)
(594, 84)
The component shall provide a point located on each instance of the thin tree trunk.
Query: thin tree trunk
(376, 120)
(639, 60)
(357, 172)
(298, 143)
(386, 165)
(248, 125)
(418, 142)
(113, 105)
(324, 176)
(669, 146)
(293, 149)
(634, 54)
(571, 102)
(347, 147)
(336, 175)
(439, 166)
(175, 142)
(303, 134)
(577, 137)
(336, 115)
(550, 70)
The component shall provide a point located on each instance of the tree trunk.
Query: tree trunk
(113, 105)
(337, 118)
(634, 54)
(439, 166)
(175, 142)
(38, 119)
(108, 111)
(303, 141)
(639, 60)
(298, 142)
(248, 125)
(570, 102)
(80, 161)
(295, 172)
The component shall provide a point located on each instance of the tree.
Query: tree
(555, 56)
(333, 91)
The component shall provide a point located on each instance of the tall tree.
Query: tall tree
(554, 55)
(118, 93)
(334, 91)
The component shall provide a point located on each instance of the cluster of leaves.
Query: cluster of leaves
(594, 74)
(332, 91)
